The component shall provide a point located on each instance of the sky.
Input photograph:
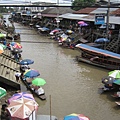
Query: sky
(22, 1)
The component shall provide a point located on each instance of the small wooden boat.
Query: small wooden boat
(41, 96)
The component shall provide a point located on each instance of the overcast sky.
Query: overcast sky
(21, 1)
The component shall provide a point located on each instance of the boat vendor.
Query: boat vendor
(39, 90)
(17, 75)
(23, 68)
(4, 113)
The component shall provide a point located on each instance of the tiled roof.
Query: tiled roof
(116, 12)
(84, 11)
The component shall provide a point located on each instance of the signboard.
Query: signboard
(99, 19)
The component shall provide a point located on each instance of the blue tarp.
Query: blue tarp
(99, 51)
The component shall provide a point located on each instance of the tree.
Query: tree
(82, 4)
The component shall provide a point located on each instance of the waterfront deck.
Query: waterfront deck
(8, 68)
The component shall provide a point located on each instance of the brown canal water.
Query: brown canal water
(73, 86)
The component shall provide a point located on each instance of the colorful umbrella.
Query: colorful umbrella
(69, 31)
(26, 62)
(76, 117)
(31, 73)
(3, 92)
(22, 108)
(114, 73)
(39, 82)
(16, 45)
(81, 22)
(21, 95)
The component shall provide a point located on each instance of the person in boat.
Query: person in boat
(17, 75)
(23, 68)
(108, 87)
(4, 113)
(39, 90)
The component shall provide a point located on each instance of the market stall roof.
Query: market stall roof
(112, 19)
(102, 10)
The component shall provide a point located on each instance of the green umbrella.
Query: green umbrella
(39, 82)
(3, 92)
(2, 35)
(4, 47)
(114, 73)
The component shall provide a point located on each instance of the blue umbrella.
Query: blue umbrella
(26, 62)
(31, 73)
(102, 40)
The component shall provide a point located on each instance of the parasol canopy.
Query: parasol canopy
(22, 108)
(21, 95)
(31, 73)
(3, 92)
(74, 116)
(114, 73)
(26, 62)
(39, 82)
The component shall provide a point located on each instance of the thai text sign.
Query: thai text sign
(99, 19)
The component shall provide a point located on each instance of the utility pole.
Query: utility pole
(107, 22)
(57, 20)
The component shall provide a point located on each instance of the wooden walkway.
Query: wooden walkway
(8, 68)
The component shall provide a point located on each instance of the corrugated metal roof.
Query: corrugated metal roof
(102, 10)
(112, 19)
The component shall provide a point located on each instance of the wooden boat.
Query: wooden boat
(98, 57)
(41, 96)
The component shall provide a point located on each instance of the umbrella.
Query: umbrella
(1, 49)
(81, 22)
(16, 45)
(108, 80)
(69, 31)
(21, 95)
(116, 81)
(22, 108)
(76, 117)
(31, 73)
(39, 82)
(3, 46)
(102, 40)
(114, 73)
(26, 62)
(2, 35)
(45, 29)
(3, 92)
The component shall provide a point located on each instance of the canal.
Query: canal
(73, 86)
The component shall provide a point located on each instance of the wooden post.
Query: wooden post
(50, 109)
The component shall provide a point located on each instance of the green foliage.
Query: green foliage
(82, 4)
